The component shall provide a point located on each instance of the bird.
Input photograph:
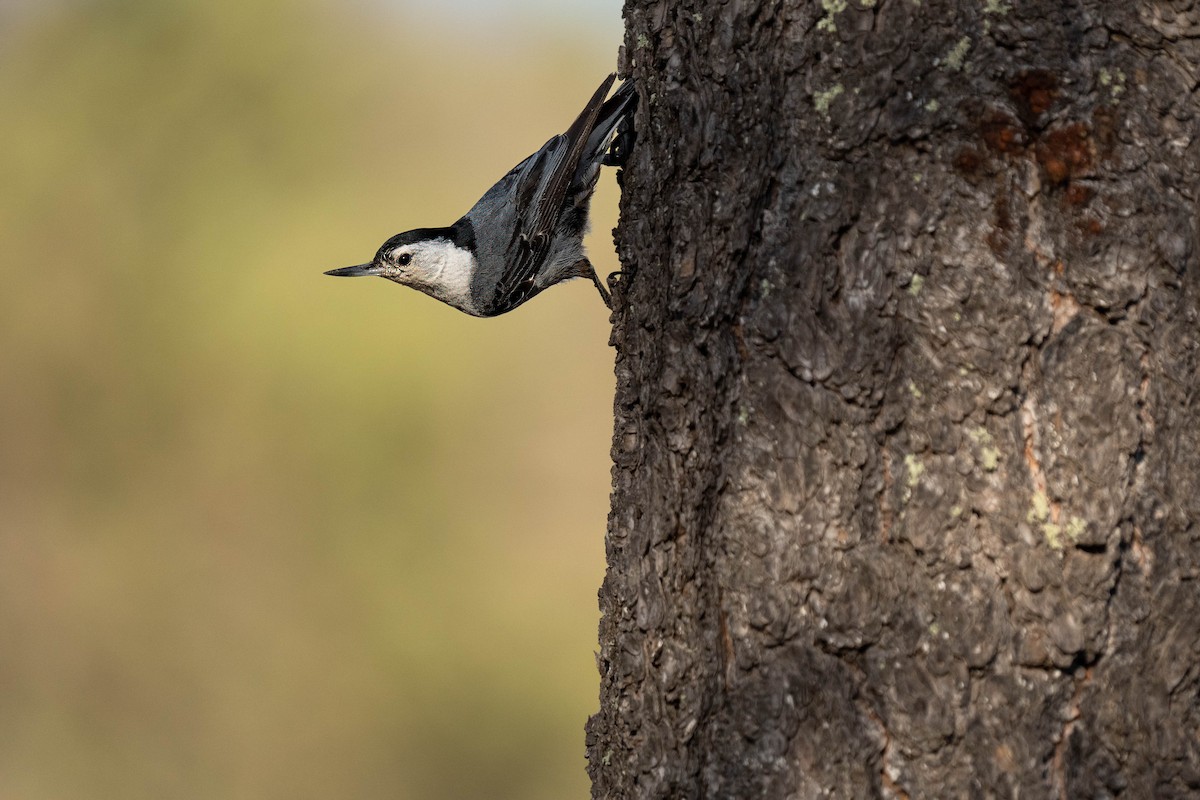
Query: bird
(526, 233)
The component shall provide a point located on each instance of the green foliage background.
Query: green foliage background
(263, 533)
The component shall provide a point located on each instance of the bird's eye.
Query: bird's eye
(404, 259)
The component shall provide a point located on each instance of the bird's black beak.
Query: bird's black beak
(357, 271)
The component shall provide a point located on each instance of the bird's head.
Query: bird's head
(403, 258)
(427, 259)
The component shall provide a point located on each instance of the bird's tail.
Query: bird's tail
(616, 113)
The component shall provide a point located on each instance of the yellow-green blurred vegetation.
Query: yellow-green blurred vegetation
(263, 533)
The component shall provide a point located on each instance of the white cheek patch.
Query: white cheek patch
(446, 271)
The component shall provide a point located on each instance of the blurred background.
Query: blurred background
(263, 533)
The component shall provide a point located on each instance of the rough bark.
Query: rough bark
(907, 447)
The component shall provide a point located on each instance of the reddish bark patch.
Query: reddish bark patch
(1001, 133)
(1077, 195)
(1033, 91)
(1066, 152)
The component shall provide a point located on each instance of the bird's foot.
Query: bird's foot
(605, 294)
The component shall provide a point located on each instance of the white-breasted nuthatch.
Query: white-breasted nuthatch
(526, 233)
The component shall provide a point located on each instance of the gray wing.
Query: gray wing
(543, 183)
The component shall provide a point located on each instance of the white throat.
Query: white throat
(444, 271)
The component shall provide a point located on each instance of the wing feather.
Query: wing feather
(540, 197)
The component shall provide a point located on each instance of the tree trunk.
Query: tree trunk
(907, 447)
